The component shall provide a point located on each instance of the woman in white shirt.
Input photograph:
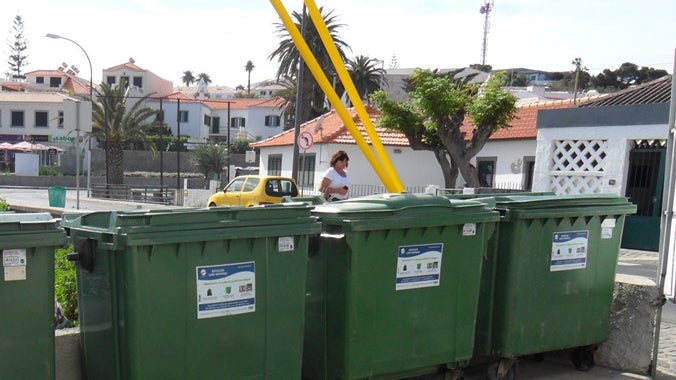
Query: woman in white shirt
(336, 184)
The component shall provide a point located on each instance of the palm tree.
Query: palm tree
(366, 75)
(289, 58)
(188, 78)
(117, 122)
(249, 68)
(204, 77)
(210, 159)
(289, 106)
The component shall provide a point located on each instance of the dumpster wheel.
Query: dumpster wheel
(505, 369)
(454, 374)
(583, 357)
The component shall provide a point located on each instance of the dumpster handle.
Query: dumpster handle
(84, 253)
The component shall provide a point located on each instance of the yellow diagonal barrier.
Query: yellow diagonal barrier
(352, 93)
(325, 85)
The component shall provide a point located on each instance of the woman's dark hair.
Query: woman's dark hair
(338, 156)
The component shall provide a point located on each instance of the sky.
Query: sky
(218, 37)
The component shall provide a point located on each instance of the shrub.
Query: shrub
(65, 284)
(4, 206)
(47, 170)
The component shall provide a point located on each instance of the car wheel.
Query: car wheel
(212, 204)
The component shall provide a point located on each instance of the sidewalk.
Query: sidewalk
(555, 366)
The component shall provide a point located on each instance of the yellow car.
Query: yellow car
(252, 190)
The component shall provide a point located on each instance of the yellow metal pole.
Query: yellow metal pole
(352, 93)
(325, 85)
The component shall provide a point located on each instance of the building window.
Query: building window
(159, 116)
(60, 119)
(183, 116)
(40, 80)
(275, 164)
(237, 122)
(124, 81)
(41, 119)
(110, 80)
(272, 121)
(486, 171)
(215, 125)
(55, 82)
(306, 170)
(138, 82)
(207, 120)
(17, 119)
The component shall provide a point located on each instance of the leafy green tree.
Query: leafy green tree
(366, 75)
(438, 107)
(628, 74)
(249, 68)
(116, 122)
(289, 59)
(210, 159)
(188, 78)
(18, 59)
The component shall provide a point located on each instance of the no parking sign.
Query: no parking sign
(305, 140)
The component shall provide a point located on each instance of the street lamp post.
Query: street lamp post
(91, 99)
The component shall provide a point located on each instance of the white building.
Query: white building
(141, 81)
(506, 161)
(616, 145)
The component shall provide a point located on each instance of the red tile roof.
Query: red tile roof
(524, 125)
(329, 128)
(332, 130)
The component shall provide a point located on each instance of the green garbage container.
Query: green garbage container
(393, 286)
(548, 284)
(57, 196)
(27, 242)
(192, 293)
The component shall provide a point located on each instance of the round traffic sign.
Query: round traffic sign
(305, 140)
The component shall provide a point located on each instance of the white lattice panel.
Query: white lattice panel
(579, 155)
(578, 166)
(576, 184)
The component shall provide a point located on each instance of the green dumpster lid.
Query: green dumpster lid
(13, 217)
(191, 218)
(22, 230)
(396, 203)
(401, 210)
(556, 201)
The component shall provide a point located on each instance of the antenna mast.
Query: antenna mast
(485, 10)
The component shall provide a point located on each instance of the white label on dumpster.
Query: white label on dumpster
(285, 244)
(14, 264)
(607, 227)
(227, 289)
(569, 250)
(419, 266)
(469, 229)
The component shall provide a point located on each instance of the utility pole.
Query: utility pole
(299, 106)
(578, 67)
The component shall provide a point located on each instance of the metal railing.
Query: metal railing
(142, 194)
(357, 190)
